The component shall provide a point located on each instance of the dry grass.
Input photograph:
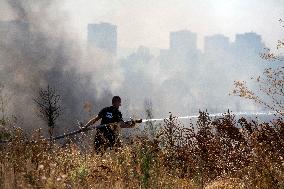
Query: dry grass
(220, 153)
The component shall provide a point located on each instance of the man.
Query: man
(106, 136)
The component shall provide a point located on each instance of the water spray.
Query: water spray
(217, 115)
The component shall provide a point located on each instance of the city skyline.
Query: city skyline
(104, 36)
(178, 78)
(137, 19)
(181, 39)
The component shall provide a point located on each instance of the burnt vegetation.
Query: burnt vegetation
(211, 153)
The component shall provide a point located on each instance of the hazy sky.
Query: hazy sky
(148, 22)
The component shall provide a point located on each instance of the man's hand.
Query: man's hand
(80, 124)
(131, 123)
(138, 121)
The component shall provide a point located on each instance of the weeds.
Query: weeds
(213, 153)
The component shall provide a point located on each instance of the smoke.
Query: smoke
(186, 83)
(37, 50)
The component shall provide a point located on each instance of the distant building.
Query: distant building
(14, 35)
(103, 36)
(183, 41)
(248, 43)
(183, 49)
(16, 32)
(216, 44)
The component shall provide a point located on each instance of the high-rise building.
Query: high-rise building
(248, 42)
(16, 32)
(216, 44)
(103, 36)
(183, 41)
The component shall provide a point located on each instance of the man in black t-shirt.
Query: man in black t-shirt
(106, 136)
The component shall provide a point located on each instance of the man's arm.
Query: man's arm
(129, 124)
(92, 121)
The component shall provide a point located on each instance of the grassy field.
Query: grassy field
(219, 153)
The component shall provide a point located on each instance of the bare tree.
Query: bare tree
(48, 103)
(271, 87)
(150, 127)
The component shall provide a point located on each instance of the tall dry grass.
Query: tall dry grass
(220, 153)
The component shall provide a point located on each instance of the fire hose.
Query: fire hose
(85, 129)
(82, 130)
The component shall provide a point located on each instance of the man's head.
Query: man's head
(116, 101)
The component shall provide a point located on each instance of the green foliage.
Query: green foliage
(80, 173)
(146, 163)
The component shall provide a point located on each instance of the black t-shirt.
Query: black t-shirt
(110, 115)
